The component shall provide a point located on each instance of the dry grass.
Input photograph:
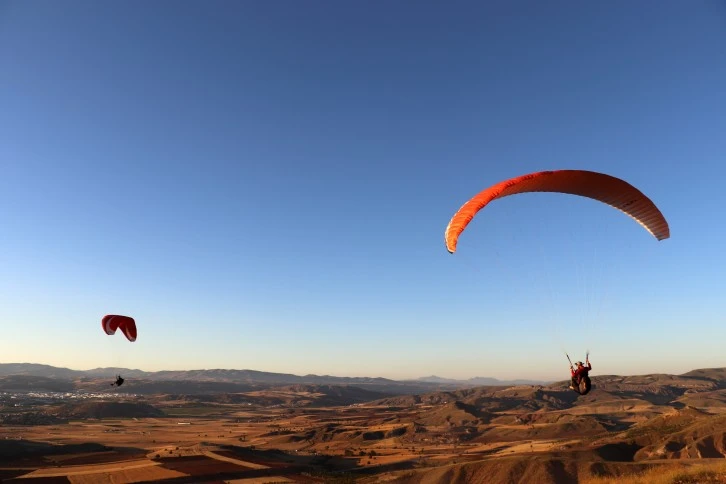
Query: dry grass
(700, 473)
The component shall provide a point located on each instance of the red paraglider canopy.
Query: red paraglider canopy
(126, 324)
(598, 186)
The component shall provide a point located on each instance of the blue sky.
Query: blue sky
(265, 185)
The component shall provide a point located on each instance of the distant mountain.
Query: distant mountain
(480, 381)
(437, 379)
(35, 369)
(248, 378)
(36, 377)
(207, 381)
(112, 372)
(32, 383)
(486, 381)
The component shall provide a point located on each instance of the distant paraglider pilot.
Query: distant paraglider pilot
(119, 381)
(580, 375)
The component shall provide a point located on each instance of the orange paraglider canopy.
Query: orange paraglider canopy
(126, 324)
(598, 186)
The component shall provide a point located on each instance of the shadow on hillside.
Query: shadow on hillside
(621, 452)
(27, 453)
(296, 470)
(556, 469)
(328, 468)
(12, 450)
(666, 398)
(7, 474)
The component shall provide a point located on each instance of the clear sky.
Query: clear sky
(265, 185)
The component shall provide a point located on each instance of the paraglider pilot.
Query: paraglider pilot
(119, 381)
(578, 373)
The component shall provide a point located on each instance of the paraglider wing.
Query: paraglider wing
(126, 324)
(598, 186)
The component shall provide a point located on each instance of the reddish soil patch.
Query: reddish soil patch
(199, 465)
(42, 480)
(102, 459)
(242, 456)
(250, 457)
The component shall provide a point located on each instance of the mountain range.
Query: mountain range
(230, 380)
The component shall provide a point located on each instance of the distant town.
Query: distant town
(19, 399)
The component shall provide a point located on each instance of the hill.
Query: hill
(101, 409)
(246, 379)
